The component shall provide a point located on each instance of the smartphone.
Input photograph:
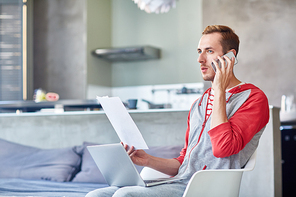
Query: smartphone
(230, 55)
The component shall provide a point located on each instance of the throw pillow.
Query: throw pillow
(20, 161)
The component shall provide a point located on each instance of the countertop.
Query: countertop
(66, 113)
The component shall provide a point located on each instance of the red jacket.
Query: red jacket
(231, 137)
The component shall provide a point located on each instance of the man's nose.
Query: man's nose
(201, 58)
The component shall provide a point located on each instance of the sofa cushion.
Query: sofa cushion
(89, 171)
(20, 161)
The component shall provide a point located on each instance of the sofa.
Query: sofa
(31, 171)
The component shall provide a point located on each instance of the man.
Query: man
(224, 125)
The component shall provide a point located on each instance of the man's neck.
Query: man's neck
(233, 82)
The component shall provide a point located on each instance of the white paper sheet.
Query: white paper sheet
(122, 122)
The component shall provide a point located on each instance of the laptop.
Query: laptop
(112, 159)
(118, 169)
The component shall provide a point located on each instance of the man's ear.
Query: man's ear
(234, 51)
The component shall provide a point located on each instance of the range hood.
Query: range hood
(125, 54)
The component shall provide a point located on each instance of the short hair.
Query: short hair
(229, 39)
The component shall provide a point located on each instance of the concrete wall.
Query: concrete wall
(267, 35)
(60, 47)
(65, 34)
(73, 128)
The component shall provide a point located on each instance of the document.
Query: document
(122, 122)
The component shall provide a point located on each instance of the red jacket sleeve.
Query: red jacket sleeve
(231, 137)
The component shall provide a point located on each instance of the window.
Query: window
(11, 50)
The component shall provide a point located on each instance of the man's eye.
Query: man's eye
(210, 51)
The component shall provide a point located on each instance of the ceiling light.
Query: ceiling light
(156, 6)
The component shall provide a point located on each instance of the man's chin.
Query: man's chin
(208, 78)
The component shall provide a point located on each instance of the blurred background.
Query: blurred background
(49, 44)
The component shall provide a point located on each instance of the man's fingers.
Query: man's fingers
(230, 62)
(130, 150)
(132, 153)
(127, 148)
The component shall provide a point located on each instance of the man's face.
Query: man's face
(209, 48)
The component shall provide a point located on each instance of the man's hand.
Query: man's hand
(139, 157)
(221, 82)
(223, 74)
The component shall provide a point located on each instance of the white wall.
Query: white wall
(176, 33)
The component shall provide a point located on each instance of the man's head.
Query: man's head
(229, 39)
(216, 40)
